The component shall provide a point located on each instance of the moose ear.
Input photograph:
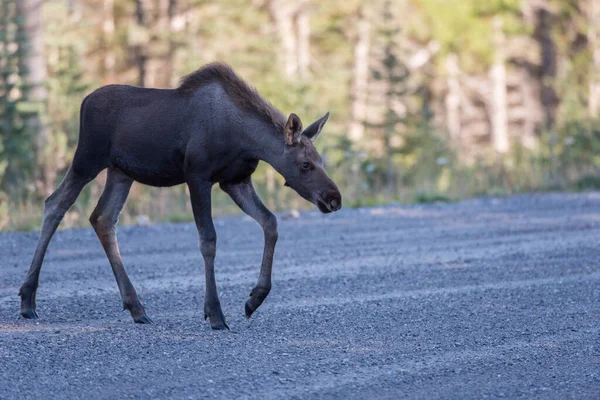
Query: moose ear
(292, 130)
(312, 132)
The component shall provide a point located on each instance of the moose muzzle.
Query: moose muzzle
(329, 202)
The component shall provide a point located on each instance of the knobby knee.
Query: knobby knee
(51, 205)
(102, 223)
(208, 245)
(49, 200)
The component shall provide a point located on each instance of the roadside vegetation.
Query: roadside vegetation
(430, 100)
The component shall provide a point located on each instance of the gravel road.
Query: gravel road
(491, 297)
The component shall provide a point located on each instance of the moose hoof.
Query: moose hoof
(219, 325)
(216, 317)
(143, 320)
(137, 311)
(28, 302)
(257, 296)
(249, 310)
(29, 314)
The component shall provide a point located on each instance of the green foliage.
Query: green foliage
(422, 197)
(588, 182)
(578, 148)
(16, 161)
(405, 155)
(463, 27)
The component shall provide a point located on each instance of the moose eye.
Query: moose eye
(306, 165)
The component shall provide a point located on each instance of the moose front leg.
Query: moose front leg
(201, 205)
(244, 195)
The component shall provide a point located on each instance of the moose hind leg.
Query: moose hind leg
(104, 219)
(54, 210)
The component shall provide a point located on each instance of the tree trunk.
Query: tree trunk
(283, 22)
(292, 26)
(35, 79)
(302, 39)
(391, 117)
(108, 30)
(140, 49)
(158, 74)
(162, 23)
(283, 27)
(452, 100)
(594, 43)
(175, 26)
(360, 78)
(543, 34)
(531, 111)
(498, 109)
(530, 81)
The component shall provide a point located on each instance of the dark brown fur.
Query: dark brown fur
(238, 90)
(213, 129)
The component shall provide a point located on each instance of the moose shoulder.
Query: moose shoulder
(213, 128)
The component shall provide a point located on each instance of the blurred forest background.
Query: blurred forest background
(431, 100)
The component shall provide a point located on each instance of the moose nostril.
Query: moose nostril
(334, 204)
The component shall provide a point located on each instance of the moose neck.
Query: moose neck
(269, 144)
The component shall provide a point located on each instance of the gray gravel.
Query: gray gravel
(483, 298)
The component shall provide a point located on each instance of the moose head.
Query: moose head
(302, 165)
